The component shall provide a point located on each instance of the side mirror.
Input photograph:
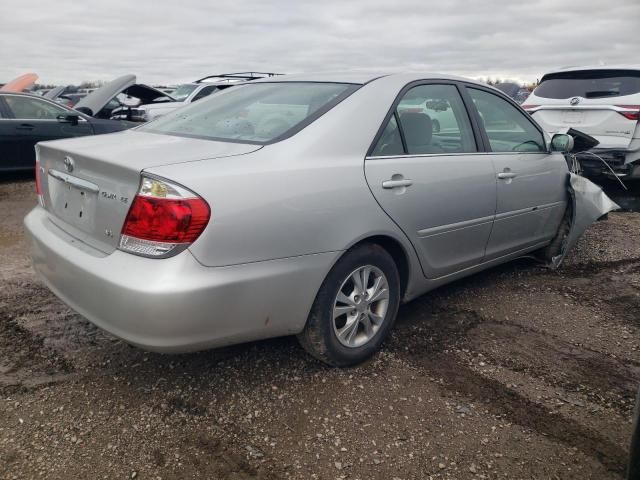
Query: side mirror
(70, 118)
(561, 142)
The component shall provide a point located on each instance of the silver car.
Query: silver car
(306, 205)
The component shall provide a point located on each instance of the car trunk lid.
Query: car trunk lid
(88, 184)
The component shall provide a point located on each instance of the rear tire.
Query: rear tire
(355, 308)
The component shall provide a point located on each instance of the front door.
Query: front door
(425, 172)
(531, 182)
(36, 120)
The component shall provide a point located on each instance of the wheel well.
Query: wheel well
(397, 252)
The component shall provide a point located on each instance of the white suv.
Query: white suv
(601, 101)
(190, 92)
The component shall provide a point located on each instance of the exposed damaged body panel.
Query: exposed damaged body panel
(588, 204)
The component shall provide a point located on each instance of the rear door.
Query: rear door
(36, 120)
(9, 144)
(425, 171)
(531, 182)
(602, 103)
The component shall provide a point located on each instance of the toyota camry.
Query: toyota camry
(297, 205)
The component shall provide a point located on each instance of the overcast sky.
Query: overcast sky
(67, 41)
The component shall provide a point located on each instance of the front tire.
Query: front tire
(355, 308)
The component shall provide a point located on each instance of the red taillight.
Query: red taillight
(166, 220)
(630, 112)
(163, 220)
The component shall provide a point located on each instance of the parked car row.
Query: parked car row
(191, 92)
(118, 105)
(601, 101)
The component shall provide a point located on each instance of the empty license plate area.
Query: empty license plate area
(573, 116)
(73, 199)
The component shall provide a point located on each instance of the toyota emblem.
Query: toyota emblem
(68, 164)
(574, 101)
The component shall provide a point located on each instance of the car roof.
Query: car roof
(362, 77)
(28, 94)
(576, 68)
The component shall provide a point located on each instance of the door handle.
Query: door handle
(24, 126)
(507, 175)
(405, 182)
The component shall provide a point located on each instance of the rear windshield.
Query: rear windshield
(253, 113)
(589, 84)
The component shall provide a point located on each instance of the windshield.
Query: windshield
(589, 84)
(253, 113)
(183, 91)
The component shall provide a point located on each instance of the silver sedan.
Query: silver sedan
(306, 205)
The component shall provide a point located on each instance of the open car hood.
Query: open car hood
(126, 84)
(55, 92)
(21, 83)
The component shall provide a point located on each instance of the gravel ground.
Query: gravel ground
(517, 372)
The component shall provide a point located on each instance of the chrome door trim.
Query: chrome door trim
(428, 232)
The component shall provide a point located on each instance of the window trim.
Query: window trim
(483, 132)
(5, 113)
(480, 147)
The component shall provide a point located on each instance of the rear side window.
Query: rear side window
(508, 129)
(27, 108)
(589, 84)
(432, 119)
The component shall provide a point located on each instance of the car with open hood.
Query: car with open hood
(117, 99)
(307, 204)
(20, 84)
(191, 92)
(601, 101)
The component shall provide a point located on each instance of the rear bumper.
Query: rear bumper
(175, 304)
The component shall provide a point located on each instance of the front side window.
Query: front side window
(254, 113)
(432, 119)
(27, 108)
(508, 129)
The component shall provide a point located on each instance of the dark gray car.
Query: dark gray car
(28, 119)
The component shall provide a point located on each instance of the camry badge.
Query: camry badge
(574, 101)
(69, 164)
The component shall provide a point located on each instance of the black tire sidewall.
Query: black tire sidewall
(364, 255)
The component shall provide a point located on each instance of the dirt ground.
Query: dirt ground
(517, 372)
